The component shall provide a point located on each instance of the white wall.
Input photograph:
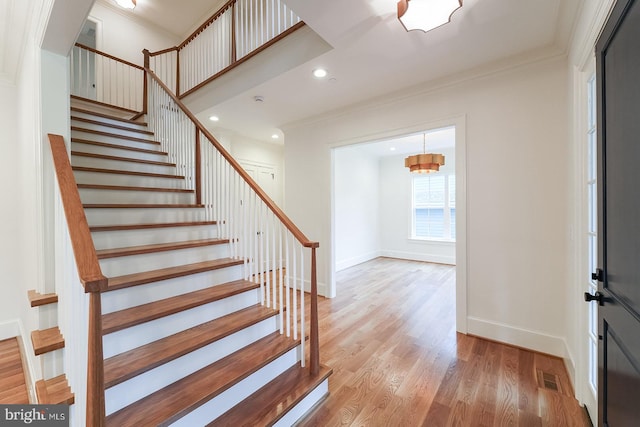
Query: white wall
(124, 37)
(356, 206)
(517, 155)
(395, 205)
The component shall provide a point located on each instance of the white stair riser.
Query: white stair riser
(217, 406)
(101, 108)
(136, 388)
(113, 138)
(116, 141)
(92, 162)
(93, 195)
(119, 266)
(131, 125)
(102, 128)
(305, 406)
(142, 294)
(119, 152)
(99, 178)
(116, 216)
(130, 338)
(150, 236)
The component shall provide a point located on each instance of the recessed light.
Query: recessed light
(275, 136)
(392, 148)
(320, 73)
(214, 118)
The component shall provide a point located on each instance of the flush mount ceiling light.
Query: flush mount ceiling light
(127, 4)
(425, 15)
(424, 163)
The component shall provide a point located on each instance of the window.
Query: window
(433, 210)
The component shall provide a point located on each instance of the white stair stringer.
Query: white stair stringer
(144, 384)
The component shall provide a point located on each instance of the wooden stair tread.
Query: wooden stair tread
(157, 247)
(107, 116)
(139, 205)
(55, 391)
(267, 405)
(118, 146)
(46, 340)
(135, 279)
(133, 188)
(150, 225)
(176, 400)
(122, 319)
(121, 159)
(13, 386)
(114, 135)
(125, 172)
(111, 125)
(37, 299)
(134, 362)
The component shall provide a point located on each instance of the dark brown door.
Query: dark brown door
(618, 80)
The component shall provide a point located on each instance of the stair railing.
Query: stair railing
(105, 79)
(271, 245)
(90, 275)
(239, 30)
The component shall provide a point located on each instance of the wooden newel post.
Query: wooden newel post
(198, 176)
(145, 52)
(95, 364)
(314, 339)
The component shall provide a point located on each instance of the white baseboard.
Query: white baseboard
(10, 329)
(418, 256)
(346, 263)
(543, 343)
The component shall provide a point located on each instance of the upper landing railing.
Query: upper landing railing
(239, 30)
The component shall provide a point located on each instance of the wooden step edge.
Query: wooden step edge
(46, 340)
(37, 299)
(55, 391)
(111, 125)
(136, 279)
(121, 159)
(125, 172)
(137, 361)
(274, 400)
(118, 146)
(183, 396)
(114, 135)
(133, 227)
(119, 320)
(158, 247)
(103, 104)
(139, 206)
(107, 116)
(133, 188)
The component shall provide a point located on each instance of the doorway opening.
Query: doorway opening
(381, 209)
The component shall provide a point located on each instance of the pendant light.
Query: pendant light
(425, 162)
(425, 15)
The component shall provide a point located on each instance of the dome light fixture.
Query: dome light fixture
(127, 4)
(425, 162)
(425, 15)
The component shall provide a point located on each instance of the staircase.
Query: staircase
(187, 339)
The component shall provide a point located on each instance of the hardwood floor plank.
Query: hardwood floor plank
(13, 388)
(389, 336)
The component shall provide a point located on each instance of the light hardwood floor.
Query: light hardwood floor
(13, 389)
(390, 338)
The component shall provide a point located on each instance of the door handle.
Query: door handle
(598, 296)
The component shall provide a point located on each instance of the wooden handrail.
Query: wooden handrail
(106, 55)
(85, 252)
(297, 233)
(206, 23)
(90, 275)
